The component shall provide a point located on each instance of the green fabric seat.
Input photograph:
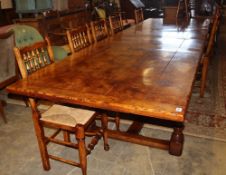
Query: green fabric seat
(26, 35)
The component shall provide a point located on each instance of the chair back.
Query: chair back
(139, 16)
(116, 23)
(209, 50)
(213, 31)
(99, 30)
(79, 38)
(33, 57)
(26, 35)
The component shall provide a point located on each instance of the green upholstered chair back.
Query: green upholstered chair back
(26, 35)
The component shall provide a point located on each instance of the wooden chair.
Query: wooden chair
(62, 118)
(139, 16)
(183, 7)
(79, 38)
(208, 51)
(125, 21)
(99, 30)
(116, 23)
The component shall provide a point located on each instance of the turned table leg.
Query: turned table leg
(176, 141)
(104, 121)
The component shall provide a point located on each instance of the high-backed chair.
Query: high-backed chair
(139, 16)
(27, 35)
(8, 73)
(126, 23)
(56, 30)
(116, 23)
(62, 118)
(79, 38)
(99, 30)
(209, 50)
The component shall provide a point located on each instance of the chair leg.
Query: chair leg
(204, 76)
(104, 121)
(186, 9)
(2, 112)
(178, 9)
(80, 137)
(39, 131)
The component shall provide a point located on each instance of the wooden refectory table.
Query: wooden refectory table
(146, 70)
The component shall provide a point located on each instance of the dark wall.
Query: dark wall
(72, 4)
(171, 2)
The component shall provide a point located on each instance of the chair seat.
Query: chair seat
(67, 116)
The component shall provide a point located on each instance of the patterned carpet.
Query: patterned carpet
(206, 116)
(212, 105)
(224, 79)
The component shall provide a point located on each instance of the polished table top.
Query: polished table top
(147, 69)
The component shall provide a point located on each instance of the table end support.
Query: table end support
(176, 141)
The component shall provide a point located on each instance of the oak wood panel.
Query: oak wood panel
(140, 70)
